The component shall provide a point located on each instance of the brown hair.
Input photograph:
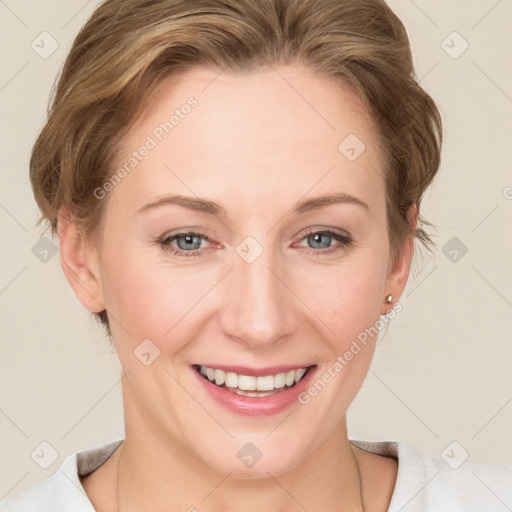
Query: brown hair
(128, 47)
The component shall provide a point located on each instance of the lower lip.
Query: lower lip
(256, 406)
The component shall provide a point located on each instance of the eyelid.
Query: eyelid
(176, 234)
(342, 236)
(320, 229)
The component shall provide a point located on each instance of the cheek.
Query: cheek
(151, 298)
(346, 298)
(349, 308)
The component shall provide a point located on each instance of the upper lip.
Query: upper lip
(256, 372)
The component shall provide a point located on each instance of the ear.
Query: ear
(398, 272)
(79, 261)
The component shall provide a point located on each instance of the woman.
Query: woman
(236, 187)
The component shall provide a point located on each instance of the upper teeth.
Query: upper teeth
(251, 383)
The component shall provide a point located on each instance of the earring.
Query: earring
(389, 299)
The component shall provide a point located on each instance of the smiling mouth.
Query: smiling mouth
(248, 385)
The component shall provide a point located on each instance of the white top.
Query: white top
(423, 484)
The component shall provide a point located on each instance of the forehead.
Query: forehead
(252, 135)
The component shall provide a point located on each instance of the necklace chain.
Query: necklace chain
(117, 477)
(361, 500)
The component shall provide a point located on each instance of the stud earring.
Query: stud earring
(389, 299)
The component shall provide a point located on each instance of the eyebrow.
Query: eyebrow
(326, 200)
(210, 207)
(192, 203)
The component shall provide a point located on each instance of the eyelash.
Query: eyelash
(345, 241)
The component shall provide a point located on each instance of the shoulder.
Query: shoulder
(62, 490)
(438, 484)
(431, 484)
(46, 495)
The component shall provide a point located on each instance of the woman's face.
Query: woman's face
(265, 282)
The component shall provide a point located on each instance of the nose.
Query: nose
(260, 309)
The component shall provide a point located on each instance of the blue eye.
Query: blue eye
(189, 241)
(187, 244)
(316, 240)
(322, 240)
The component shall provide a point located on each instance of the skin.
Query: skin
(256, 147)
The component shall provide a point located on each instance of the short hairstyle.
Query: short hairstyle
(128, 48)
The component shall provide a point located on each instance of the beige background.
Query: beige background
(442, 371)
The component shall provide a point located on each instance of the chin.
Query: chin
(254, 457)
